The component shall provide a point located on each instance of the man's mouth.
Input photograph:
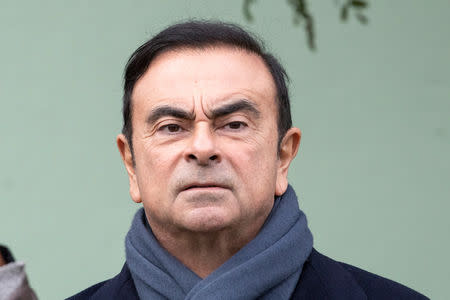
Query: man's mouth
(205, 186)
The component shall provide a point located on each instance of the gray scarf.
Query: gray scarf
(268, 267)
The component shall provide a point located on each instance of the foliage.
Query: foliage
(302, 15)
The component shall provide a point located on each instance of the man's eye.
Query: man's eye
(236, 125)
(172, 128)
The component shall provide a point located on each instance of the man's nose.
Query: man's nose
(202, 147)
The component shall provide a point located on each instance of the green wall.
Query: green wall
(373, 103)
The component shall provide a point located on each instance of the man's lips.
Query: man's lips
(205, 186)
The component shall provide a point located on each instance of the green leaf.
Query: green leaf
(362, 19)
(246, 9)
(359, 4)
(344, 13)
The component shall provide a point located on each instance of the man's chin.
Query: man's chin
(206, 219)
(201, 196)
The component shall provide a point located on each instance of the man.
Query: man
(207, 142)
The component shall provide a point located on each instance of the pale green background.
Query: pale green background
(373, 172)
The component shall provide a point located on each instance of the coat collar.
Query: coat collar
(321, 278)
(324, 278)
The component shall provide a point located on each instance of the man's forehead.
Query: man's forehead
(208, 103)
(211, 72)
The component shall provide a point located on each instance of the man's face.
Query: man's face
(205, 141)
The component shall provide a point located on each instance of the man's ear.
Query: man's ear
(128, 161)
(288, 150)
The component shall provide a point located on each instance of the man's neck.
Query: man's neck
(204, 252)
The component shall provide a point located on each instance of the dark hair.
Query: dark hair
(201, 35)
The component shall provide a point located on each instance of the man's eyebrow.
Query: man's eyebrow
(168, 111)
(239, 105)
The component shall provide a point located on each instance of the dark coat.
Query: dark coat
(321, 278)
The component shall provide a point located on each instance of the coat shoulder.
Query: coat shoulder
(87, 293)
(119, 287)
(378, 287)
(330, 279)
